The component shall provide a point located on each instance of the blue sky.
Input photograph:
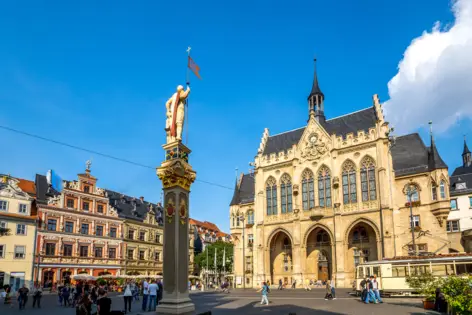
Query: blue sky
(97, 74)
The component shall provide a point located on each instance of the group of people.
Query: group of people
(22, 296)
(152, 294)
(370, 290)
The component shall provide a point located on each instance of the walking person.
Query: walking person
(160, 291)
(37, 294)
(66, 295)
(280, 287)
(333, 289)
(153, 288)
(103, 303)
(128, 296)
(23, 296)
(145, 294)
(328, 295)
(265, 290)
(294, 284)
(84, 306)
(376, 289)
(370, 291)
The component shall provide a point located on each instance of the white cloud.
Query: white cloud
(434, 79)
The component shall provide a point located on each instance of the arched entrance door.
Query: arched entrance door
(362, 246)
(281, 265)
(318, 255)
(48, 278)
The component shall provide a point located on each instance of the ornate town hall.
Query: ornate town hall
(334, 193)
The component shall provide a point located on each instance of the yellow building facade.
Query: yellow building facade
(332, 194)
(18, 215)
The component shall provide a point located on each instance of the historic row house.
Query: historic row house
(142, 234)
(332, 194)
(79, 231)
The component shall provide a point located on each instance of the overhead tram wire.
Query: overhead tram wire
(98, 153)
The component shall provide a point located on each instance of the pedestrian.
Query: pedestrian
(363, 288)
(280, 287)
(160, 291)
(59, 294)
(294, 284)
(153, 288)
(328, 295)
(307, 285)
(103, 303)
(376, 289)
(264, 289)
(333, 289)
(84, 307)
(145, 294)
(23, 296)
(128, 296)
(37, 294)
(136, 291)
(94, 295)
(440, 304)
(370, 291)
(66, 295)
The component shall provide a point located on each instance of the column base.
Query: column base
(181, 306)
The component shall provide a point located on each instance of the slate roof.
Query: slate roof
(340, 126)
(133, 208)
(43, 190)
(463, 178)
(244, 192)
(411, 156)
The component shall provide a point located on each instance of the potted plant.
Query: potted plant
(426, 285)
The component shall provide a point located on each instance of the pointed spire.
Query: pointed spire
(315, 89)
(466, 155)
(432, 148)
(466, 148)
(316, 100)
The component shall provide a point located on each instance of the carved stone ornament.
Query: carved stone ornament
(314, 148)
(170, 207)
(176, 174)
(183, 210)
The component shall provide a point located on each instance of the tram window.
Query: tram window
(449, 269)
(439, 270)
(463, 269)
(376, 271)
(399, 271)
(361, 273)
(418, 270)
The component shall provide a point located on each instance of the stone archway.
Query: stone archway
(318, 264)
(362, 245)
(281, 258)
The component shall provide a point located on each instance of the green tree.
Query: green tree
(425, 284)
(4, 232)
(458, 293)
(220, 247)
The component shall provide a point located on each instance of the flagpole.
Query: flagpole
(186, 103)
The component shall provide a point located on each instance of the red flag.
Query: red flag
(194, 67)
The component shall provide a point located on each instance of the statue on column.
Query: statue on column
(176, 114)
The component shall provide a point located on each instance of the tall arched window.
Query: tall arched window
(442, 189)
(349, 182)
(308, 190)
(413, 191)
(286, 193)
(434, 191)
(250, 217)
(271, 196)
(234, 221)
(368, 179)
(324, 187)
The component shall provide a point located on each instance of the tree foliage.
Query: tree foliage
(220, 247)
(4, 231)
(425, 284)
(458, 293)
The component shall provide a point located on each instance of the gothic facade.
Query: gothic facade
(332, 194)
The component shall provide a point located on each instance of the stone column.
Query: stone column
(176, 176)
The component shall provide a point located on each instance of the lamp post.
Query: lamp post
(410, 192)
(241, 218)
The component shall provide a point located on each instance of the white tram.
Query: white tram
(391, 273)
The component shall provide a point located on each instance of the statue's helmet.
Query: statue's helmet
(180, 88)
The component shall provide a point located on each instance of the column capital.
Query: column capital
(175, 170)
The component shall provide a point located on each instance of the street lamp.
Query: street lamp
(410, 191)
(241, 218)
